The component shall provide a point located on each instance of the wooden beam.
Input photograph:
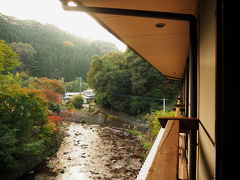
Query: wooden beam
(186, 123)
(165, 164)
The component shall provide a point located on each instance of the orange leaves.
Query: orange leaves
(51, 95)
(55, 119)
(70, 110)
(33, 92)
(68, 44)
(50, 88)
(54, 122)
(50, 128)
(66, 115)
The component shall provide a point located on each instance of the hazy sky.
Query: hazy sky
(50, 11)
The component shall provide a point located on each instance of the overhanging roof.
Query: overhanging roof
(166, 48)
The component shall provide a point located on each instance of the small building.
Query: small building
(67, 96)
(87, 95)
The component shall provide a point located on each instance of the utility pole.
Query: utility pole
(80, 84)
(164, 104)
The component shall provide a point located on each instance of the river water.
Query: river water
(92, 152)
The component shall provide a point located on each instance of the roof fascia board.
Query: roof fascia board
(129, 12)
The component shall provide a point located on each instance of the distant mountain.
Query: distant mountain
(56, 53)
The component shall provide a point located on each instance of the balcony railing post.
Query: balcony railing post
(182, 159)
(193, 97)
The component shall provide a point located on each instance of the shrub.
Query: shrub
(77, 101)
(134, 132)
(54, 107)
(102, 99)
(154, 125)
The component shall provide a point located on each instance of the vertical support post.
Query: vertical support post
(182, 160)
(220, 104)
(186, 90)
(193, 97)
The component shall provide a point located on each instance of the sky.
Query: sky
(51, 12)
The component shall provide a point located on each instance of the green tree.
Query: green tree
(8, 58)
(74, 86)
(127, 83)
(101, 98)
(27, 56)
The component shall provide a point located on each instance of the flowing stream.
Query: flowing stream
(92, 152)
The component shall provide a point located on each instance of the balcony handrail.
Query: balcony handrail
(163, 160)
(165, 163)
(142, 175)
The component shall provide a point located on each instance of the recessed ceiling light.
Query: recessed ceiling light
(72, 4)
(160, 25)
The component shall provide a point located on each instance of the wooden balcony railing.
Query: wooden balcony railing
(169, 161)
(165, 163)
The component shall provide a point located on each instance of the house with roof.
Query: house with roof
(87, 95)
(68, 95)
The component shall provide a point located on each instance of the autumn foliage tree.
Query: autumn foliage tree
(52, 90)
(27, 134)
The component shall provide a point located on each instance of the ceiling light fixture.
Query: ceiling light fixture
(160, 25)
(72, 4)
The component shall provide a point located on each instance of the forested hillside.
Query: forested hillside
(47, 51)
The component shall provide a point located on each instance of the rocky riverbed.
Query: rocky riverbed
(94, 152)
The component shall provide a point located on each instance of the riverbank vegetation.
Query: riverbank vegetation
(77, 101)
(28, 132)
(154, 125)
(147, 139)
